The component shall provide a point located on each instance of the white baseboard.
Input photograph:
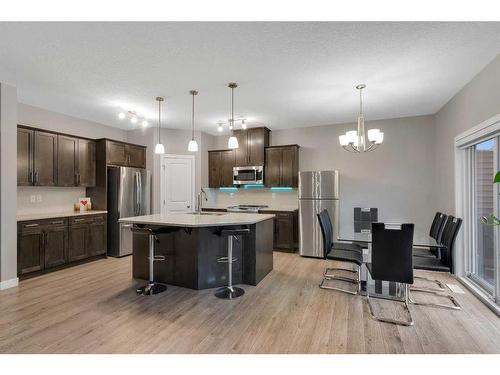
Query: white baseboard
(9, 283)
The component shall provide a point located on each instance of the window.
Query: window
(482, 254)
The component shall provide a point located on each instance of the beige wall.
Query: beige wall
(397, 178)
(476, 102)
(175, 142)
(8, 184)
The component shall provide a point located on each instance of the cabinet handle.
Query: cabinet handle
(58, 222)
(32, 177)
(78, 220)
(36, 178)
(30, 225)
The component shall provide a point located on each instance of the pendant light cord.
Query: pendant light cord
(192, 121)
(232, 110)
(159, 120)
(360, 102)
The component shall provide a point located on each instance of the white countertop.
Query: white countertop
(53, 215)
(194, 220)
(270, 208)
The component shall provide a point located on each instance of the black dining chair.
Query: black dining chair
(354, 257)
(392, 261)
(435, 232)
(442, 264)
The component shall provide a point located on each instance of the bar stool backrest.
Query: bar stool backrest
(440, 230)
(392, 253)
(326, 231)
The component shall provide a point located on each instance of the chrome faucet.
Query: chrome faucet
(200, 194)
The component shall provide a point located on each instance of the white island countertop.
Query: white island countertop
(195, 220)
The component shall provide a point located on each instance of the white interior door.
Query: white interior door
(177, 188)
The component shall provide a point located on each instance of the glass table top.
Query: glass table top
(419, 239)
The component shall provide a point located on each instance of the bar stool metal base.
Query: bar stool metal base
(229, 292)
(151, 289)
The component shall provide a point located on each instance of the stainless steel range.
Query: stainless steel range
(251, 208)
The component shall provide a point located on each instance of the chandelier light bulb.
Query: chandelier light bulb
(133, 120)
(220, 128)
(243, 124)
(343, 140)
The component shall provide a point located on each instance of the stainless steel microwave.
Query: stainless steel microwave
(248, 175)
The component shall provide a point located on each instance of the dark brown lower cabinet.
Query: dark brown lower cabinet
(78, 238)
(30, 249)
(97, 238)
(56, 244)
(46, 244)
(285, 229)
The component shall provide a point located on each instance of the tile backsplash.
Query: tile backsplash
(39, 199)
(260, 196)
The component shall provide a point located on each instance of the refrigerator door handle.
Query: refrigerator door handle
(139, 192)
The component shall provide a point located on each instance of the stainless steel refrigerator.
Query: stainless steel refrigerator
(318, 190)
(129, 194)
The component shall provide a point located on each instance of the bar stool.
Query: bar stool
(230, 291)
(152, 287)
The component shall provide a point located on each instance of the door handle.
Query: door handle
(30, 225)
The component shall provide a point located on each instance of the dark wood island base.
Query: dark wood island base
(191, 255)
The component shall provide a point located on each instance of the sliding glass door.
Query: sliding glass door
(482, 266)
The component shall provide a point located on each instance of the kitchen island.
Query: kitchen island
(192, 244)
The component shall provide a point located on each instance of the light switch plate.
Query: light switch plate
(32, 198)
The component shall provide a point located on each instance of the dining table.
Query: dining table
(383, 289)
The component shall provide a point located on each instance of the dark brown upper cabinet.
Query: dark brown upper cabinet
(136, 156)
(116, 153)
(76, 161)
(251, 145)
(44, 159)
(24, 157)
(282, 166)
(67, 161)
(86, 173)
(220, 168)
(125, 155)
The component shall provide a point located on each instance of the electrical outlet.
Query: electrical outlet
(32, 198)
(38, 198)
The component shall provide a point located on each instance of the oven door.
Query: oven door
(248, 175)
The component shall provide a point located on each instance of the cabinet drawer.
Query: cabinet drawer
(81, 220)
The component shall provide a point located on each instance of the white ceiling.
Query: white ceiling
(290, 74)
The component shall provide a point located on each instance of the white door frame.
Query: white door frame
(163, 175)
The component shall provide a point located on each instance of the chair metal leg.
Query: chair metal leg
(440, 285)
(455, 305)
(408, 322)
(356, 281)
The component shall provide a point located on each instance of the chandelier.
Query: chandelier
(357, 140)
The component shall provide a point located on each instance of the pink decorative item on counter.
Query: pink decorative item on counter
(85, 204)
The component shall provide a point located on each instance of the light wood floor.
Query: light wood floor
(93, 308)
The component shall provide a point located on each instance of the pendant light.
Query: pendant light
(193, 145)
(159, 148)
(356, 141)
(232, 141)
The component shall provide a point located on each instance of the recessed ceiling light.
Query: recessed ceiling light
(121, 115)
(144, 123)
